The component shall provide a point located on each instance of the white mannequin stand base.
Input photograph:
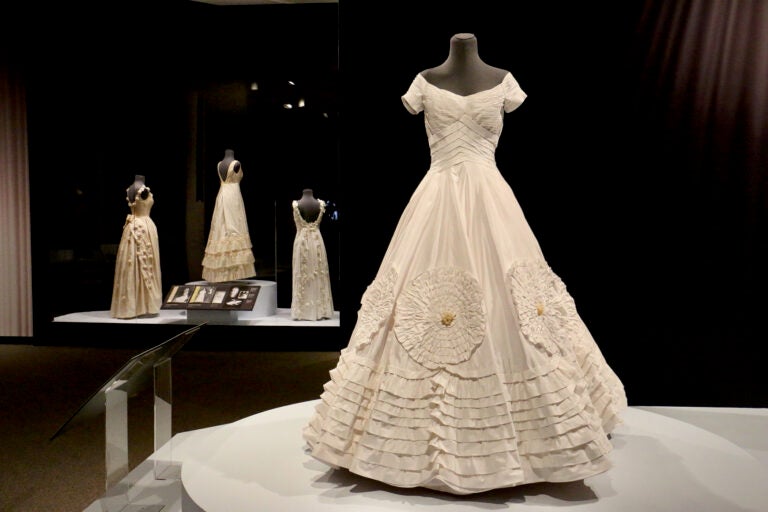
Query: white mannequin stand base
(660, 464)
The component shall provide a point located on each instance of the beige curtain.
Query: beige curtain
(15, 231)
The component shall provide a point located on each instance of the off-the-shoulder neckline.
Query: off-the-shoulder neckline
(508, 74)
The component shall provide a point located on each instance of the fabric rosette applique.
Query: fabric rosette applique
(439, 319)
(375, 307)
(546, 310)
(139, 193)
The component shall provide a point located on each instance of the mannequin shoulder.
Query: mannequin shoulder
(435, 74)
(498, 73)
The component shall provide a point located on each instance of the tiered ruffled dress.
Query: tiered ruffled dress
(228, 253)
(311, 283)
(137, 286)
(469, 368)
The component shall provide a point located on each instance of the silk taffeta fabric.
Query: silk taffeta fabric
(469, 367)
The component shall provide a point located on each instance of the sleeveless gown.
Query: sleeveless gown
(137, 287)
(228, 254)
(311, 284)
(469, 367)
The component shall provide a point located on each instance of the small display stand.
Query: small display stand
(224, 303)
(153, 364)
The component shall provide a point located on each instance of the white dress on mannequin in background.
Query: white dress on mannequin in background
(311, 299)
(137, 287)
(228, 254)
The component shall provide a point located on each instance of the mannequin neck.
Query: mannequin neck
(309, 207)
(463, 52)
(134, 188)
(223, 167)
(464, 72)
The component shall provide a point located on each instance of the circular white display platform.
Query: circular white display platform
(660, 464)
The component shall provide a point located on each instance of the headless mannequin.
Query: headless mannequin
(463, 72)
(308, 206)
(229, 157)
(138, 182)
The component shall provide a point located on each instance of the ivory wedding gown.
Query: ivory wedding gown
(469, 367)
(228, 254)
(137, 286)
(311, 284)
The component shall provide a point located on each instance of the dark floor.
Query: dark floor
(41, 386)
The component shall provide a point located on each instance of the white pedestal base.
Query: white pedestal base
(660, 464)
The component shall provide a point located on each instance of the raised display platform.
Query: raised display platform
(264, 312)
(282, 317)
(278, 332)
(660, 464)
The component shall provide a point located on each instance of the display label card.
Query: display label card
(224, 296)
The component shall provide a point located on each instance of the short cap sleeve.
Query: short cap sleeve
(513, 94)
(412, 99)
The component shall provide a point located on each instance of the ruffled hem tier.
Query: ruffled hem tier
(228, 259)
(220, 275)
(466, 434)
(231, 243)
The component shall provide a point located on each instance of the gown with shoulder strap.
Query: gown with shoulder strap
(311, 283)
(469, 367)
(228, 254)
